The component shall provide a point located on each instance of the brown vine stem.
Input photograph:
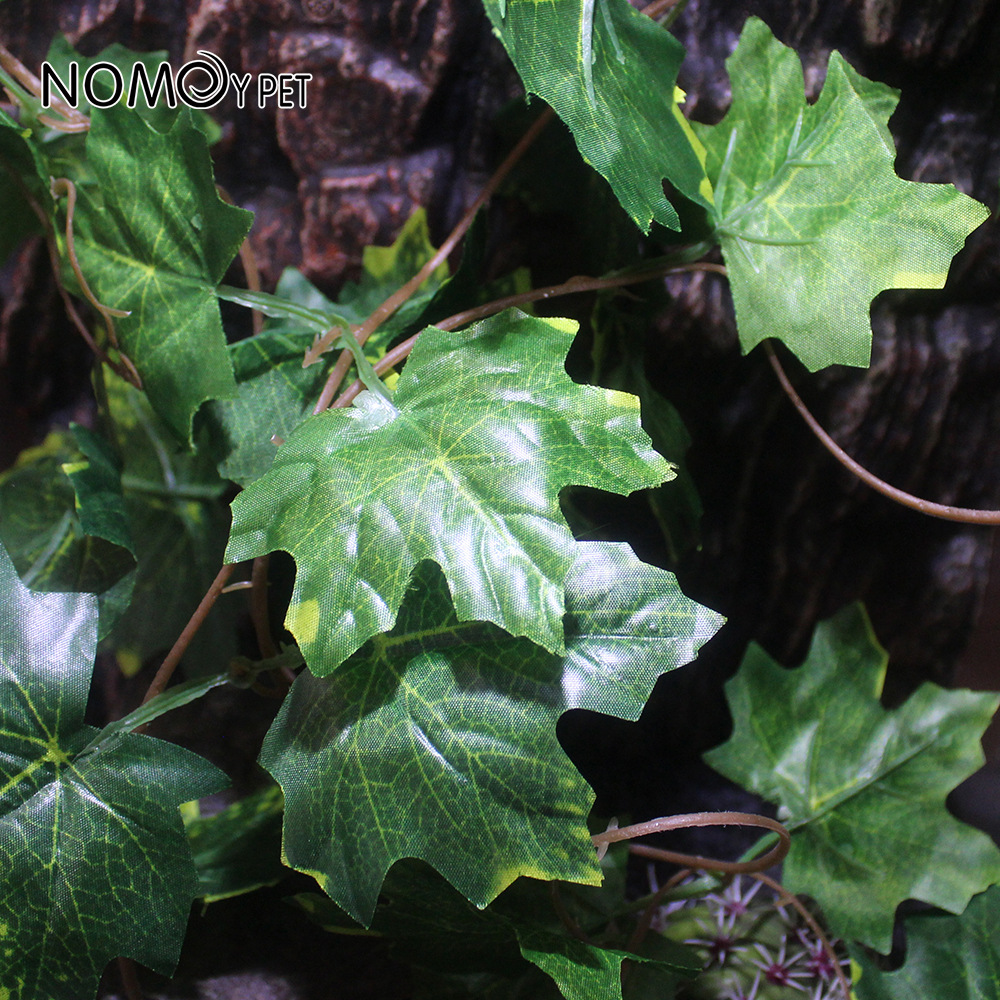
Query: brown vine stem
(564, 915)
(75, 120)
(251, 272)
(169, 665)
(580, 283)
(130, 979)
(687, 820)
(965, 515)
(124, 371)
(64, 186)
(404, 292)
(258, 608)
(814, 926)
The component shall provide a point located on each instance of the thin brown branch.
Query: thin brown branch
(564, 915)
(658, 8)
(685, 821)
(64, 186)
(76, 121)
(965, 515)
(642, 927)
(124, 367)
(251, 272)
(814, 926)
(258, 608)
(399, 297)
(169, 665)
(130, 979)
(580, 283)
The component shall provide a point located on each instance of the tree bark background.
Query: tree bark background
(400, 106)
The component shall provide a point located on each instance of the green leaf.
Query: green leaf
(175, 697)
(609, 72)
(464, 467)
(179, 520)
(20, 168)
(274, 395)
(813, 220)
(580, 970)
(63, 523)
(946, 956)
(62, 55)
(238, 849)
(97, 482)
(156, 244)
(430, 924)
(93, 850)
(438, 740)
(861, 789)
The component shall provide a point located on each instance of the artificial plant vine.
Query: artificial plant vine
(444, 610)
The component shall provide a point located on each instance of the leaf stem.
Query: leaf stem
(169, 665)
(964, 515)
(76, 121)
(404, 292)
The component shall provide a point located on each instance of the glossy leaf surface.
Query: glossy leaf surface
(93, 850)
(156, 242)
(813, 220)
(463, 467)
(609, 72)
(957, 957)
(438, 740)
(861, 789)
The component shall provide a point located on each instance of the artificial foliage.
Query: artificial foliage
(946, 956)
(95, 859)
(484, 428)
(424, 542)
(812, 219)
(861, 789)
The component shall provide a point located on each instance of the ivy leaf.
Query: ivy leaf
(429, 924)
(62, 55)
(946, 956)
(861, 789)
(156, 244)
(609, 72)
(464, 467)
(437, 740)
(20, 164)
(63, 523)
(813, 220)
(274, 395)
(93, 850)
(583, 971)
(178, 517)
(238, 849)
(384, 269)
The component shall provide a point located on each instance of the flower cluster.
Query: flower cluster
(754, 947)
